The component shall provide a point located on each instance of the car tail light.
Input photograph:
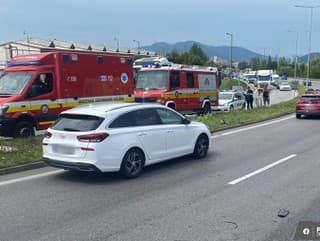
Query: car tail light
(96, 137)
(47, 135)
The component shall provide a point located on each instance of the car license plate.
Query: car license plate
(63, 150)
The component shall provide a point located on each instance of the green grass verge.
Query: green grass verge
(14, 152)
(226, 84)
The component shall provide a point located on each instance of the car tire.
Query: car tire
(201, 147)
(24, 129)
(298, 116)
(132, 163)
(231, 108)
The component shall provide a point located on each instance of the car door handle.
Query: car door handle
(142, 134)
(171, 131)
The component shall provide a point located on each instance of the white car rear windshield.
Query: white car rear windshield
(67, 122)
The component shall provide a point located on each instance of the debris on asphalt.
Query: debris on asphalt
(235, 225)
(283, 213)
(7, 149)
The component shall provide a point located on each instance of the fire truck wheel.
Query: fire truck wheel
(206, 109)
(201, 147)
(24, 129)
(132, 163)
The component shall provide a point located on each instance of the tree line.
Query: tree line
(196, 56)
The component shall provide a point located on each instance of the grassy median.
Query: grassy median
(14, 152)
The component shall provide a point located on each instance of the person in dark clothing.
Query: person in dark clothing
(266, 95)
(249, 98)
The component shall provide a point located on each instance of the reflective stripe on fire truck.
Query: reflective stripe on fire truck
(62, 103)
(190, 93)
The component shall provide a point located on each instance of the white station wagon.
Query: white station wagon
(125, 137)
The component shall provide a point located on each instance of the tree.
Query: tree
(197, 51)
(195, 56)
(255, 63)
(243, 65)
(315, 68)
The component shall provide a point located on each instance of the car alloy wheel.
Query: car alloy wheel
(201, 147)
(132, 163)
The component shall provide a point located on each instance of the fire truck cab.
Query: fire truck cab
(35, 88)
(187, 89)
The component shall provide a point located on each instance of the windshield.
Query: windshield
(310, 98)
(264, 77)
(225, 96)
(152, 80)
(13, 83)
(67, 122)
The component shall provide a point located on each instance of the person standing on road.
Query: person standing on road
(266, 95)
(249, 98)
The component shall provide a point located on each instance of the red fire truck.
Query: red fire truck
(183, 88)
(35, 88)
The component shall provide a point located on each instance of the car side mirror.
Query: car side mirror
(186, 121)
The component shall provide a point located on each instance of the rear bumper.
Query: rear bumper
(314, 113)
(77, 166)
(220, 108)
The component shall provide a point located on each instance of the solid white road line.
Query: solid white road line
(240, 179)
(22, 179)
(251, 127)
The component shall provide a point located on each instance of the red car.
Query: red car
(309, 104)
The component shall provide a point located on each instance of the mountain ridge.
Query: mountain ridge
(222, 52)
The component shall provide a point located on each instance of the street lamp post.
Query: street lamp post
(231, 42)
(296, 57)
(117, 41)
(138, 42)
(310, 32)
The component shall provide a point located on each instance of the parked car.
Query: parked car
(284, 85)
(230, 101)
(308, 104)
(238, 88)
(121, 137)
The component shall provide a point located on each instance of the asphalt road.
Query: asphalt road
(183, 199)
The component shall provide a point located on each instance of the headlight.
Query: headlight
(3, 109)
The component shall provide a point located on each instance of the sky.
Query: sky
(268, 27)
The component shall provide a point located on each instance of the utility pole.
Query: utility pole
(296, 55)
(231, 42)
(117, 41)
(138, 42)
(311, 7)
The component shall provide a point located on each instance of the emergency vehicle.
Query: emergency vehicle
(183, 88)
(35, 88)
